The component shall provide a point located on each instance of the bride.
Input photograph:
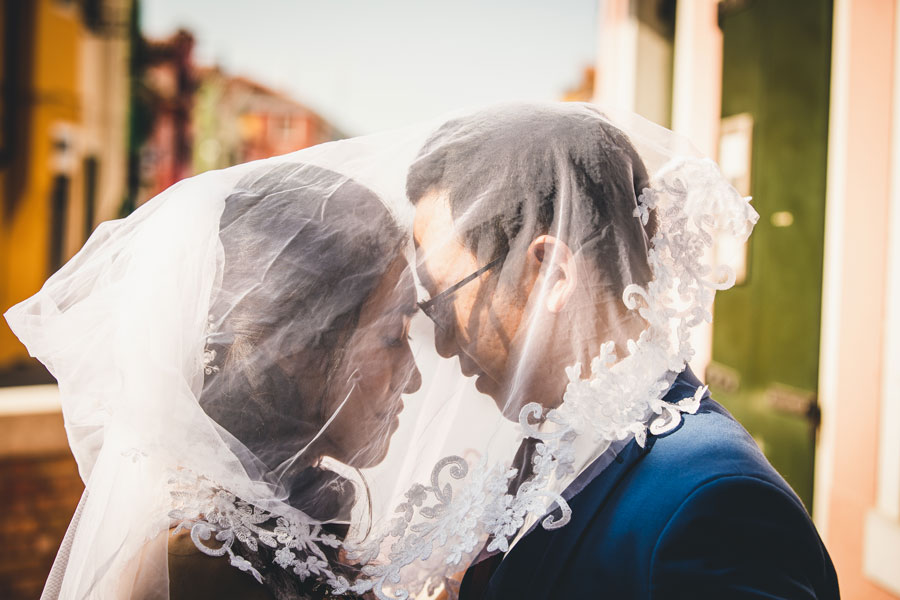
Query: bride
(310, 356)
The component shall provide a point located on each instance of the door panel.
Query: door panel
(776, 64)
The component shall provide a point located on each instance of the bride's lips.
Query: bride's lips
(395, 416)
(392, 413)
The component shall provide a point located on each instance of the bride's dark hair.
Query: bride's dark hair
(303, 250)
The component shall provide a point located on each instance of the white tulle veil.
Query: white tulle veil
(234, 365)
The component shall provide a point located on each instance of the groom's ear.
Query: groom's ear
(559, 274)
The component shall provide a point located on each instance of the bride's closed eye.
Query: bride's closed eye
(398, 338)
(396, 342)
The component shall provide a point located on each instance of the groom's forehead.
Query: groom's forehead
(433, 224)
(440, 255)
(441, 216)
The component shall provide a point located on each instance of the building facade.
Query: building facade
(64, 76)
(65, 72)
(237, 120)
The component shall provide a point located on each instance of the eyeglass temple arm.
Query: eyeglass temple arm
(426, 304)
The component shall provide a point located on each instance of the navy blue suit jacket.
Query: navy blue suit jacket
(697, 513)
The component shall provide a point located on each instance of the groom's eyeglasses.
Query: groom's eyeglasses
(438, 308)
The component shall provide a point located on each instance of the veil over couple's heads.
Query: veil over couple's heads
(237, 373)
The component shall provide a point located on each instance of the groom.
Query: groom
(697, 512)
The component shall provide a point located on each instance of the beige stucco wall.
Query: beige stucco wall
(859, 176)
(105, 91)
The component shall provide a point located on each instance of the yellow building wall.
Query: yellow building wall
(4, 234)
(55, 99)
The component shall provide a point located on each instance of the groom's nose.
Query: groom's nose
(445, 342)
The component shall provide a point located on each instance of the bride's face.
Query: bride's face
(376, 368)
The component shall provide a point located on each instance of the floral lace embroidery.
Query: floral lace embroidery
(208, 512)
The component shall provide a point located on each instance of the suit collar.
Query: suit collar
(684, 386)
(532, 566)
(542, 553)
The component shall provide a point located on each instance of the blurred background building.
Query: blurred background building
(164, 81)
(94, 120)
(64, 108)
(238, 120)
(799, 102)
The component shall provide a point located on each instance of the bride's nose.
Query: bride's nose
(409, 370)
(414, 381)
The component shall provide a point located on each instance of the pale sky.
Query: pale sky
(370, 65)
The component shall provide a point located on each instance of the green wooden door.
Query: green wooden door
(776, 64)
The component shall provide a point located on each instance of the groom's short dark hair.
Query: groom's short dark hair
(507, 168)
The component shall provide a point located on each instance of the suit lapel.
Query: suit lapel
(532, 567)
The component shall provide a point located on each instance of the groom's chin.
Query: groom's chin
(509, 405)
(511, 398)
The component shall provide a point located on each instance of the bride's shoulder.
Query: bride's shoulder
(193, 574)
